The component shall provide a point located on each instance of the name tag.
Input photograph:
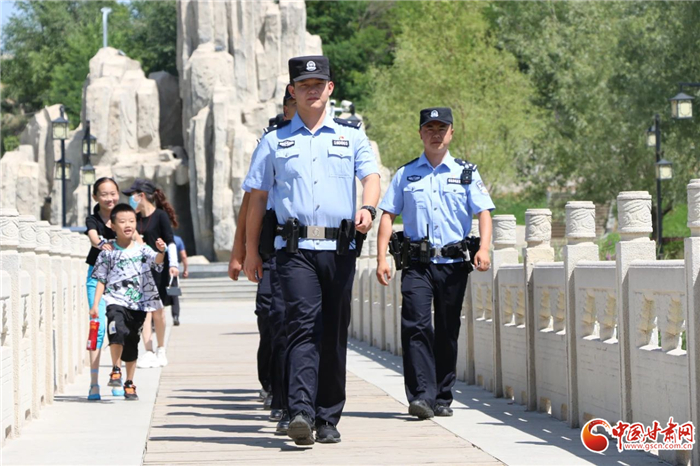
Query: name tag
(341, 142)
(455, 181)
(286, 143)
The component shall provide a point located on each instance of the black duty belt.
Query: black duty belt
(313, 232)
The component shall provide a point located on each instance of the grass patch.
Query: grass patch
(676, 222)
(517, 205)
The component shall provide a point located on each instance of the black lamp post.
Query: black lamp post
(664, 171)
(88, 171)
(60, 131)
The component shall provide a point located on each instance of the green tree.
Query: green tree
(446, 56)
(356, 35)
(601, 70)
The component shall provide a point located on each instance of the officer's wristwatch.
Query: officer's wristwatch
(372, 210)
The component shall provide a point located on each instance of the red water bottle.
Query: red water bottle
(92, 336)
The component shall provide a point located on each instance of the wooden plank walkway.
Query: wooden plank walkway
(207, 412)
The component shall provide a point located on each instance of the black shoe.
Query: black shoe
(327, 433)
(276, 415)
(267, 403)
(283, 425)
(300, 430)
(262, 394)
(442, 410)
(176, 321)
(420, 409)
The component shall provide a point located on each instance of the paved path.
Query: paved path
(206, 412)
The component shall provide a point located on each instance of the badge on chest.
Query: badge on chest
(286, 143)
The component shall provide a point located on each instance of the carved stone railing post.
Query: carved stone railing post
(538, 234)
(29, 405)
(9, 349)
(466, 337)
(692, 271)
(61, 301)
(80, 318)
(503, 253)
(44, 348)
(635, 226)
(68, 309)
(580, 246)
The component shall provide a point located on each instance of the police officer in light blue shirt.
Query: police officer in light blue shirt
(437, 195)
(311, 164)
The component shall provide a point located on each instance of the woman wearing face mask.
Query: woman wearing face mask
(154, 218)
(106, 193)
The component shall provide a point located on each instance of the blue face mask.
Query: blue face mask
(133, 202)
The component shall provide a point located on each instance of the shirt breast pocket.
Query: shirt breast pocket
(456, 197)
(340, 162)
(287, 164)
(415, 195)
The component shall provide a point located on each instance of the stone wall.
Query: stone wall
(578, 339)
(43, 301)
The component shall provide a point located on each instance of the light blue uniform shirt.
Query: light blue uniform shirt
(313, 174)
(433, 203)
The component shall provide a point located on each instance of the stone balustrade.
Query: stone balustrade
(44, 308)
(578, 339)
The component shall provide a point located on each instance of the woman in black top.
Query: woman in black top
(154, 219)
(106, 193)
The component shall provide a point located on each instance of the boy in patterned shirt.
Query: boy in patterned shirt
(124, 277)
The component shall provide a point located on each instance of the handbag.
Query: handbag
(173, 290)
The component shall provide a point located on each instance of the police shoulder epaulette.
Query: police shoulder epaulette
(281, 124)
(409, 163)
(351, 123)
(465, 164)
(269, 128)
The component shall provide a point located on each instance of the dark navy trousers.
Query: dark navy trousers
(430, 355)
(263, 303)
(317, 288)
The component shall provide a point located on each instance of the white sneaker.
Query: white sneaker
(162, 359)
(147, 360)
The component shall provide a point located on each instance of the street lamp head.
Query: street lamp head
(651, 136)
(60, 126)
(58, 171)
(89, 145)
(664, 170)
(682, 106)
(87, 174)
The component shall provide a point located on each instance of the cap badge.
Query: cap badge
(434, 114)
(310, 66)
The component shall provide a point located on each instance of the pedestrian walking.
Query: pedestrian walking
(437, 195)
(156, 219)
(310, 164)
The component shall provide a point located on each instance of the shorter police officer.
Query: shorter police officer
(437, 195)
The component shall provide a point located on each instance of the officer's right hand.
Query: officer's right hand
(383, 272)
(235, 266)
(253, 267)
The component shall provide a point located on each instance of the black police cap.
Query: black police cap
(441, 114)
(315, 66)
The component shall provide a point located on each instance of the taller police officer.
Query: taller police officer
(311, 163)
(437, 195)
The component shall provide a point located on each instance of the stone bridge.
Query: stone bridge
(545, 346)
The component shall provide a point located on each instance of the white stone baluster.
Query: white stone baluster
(580, 246)
(80, 317)
(538, 234)
(465, 348)
(29, 397)
(504, 252)
(68, 323)
(634, 225)
(692, 271)
(9, 294)
(44, 347)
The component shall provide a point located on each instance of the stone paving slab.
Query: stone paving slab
(207, 412)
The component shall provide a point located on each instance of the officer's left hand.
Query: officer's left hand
(482, 260)
(363, 221)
